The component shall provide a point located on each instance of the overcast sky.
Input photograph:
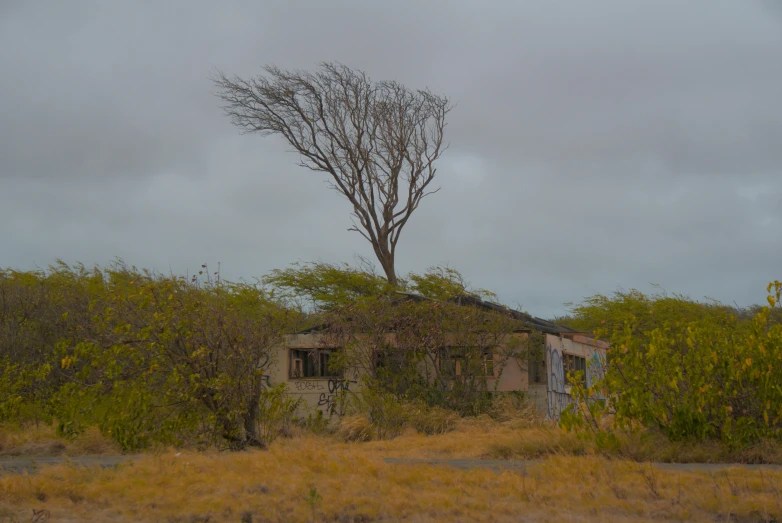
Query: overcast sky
(595, 145)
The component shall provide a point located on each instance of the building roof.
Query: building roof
(528, 320)
(532, 322)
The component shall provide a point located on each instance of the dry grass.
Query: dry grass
(515, 434)
(642, 446)
(652, 446)
(352, 483)
(517, 413)
(41, 440)
(431, 420)
(355, 428)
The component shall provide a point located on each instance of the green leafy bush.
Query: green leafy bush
(694, 371)
(386, 414)
(147, 358)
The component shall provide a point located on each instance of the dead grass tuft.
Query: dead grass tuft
(540, 442)
(42, 441)
(355, 428)
(642, 446)
(651, 445)
(764, 452)
(517, 413)
(432, 420)
(92, 442)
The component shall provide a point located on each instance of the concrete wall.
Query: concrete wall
(321, 393)
(558, 393)
(316, 393)
(514, 375)
(539, 397)
(552, 396)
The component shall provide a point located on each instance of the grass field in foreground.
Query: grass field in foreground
(317, 478)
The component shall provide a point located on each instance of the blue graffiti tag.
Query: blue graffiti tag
(594, 371)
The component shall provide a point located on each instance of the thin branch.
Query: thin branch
(377, 141)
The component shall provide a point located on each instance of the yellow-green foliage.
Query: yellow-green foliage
(694, 371)
(328, 285)
(152, 359)
(442, 283)
(146, 357)
(383, 410)
(411, 349)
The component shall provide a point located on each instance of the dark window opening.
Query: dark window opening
(311, 363)
(390, 359)
(572, 363)
(537, 370)
(459, 362)
(488, 364)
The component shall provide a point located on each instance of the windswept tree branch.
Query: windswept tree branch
(377, 141)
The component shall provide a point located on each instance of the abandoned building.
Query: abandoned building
(302, 362)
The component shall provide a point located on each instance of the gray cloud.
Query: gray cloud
(594, 146)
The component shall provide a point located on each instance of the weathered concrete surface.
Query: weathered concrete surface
(715, 467)
(466, 464)
(500, 464)
(21, 465)
(30, 465)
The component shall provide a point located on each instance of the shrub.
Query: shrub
(147, 358)
(426, 351)
(702, 376)
(384, 411)
(315, 422)
(276, 414)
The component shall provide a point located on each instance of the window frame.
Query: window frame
(312, 359)
(455, 361)
(574, 363)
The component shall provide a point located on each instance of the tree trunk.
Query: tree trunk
(388, 267)
(386, 259)
(251, 424)
(232, 435)
(377, 141)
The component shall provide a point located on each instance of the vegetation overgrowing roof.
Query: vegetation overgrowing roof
(528, 320)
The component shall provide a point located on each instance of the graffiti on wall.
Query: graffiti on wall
(309, 386)
(351, 374)
(263, 361)
(327, 400)
(595, 369)
(556, 397)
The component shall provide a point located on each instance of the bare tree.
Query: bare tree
(378, 141)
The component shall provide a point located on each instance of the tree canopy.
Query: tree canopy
(377, 141)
